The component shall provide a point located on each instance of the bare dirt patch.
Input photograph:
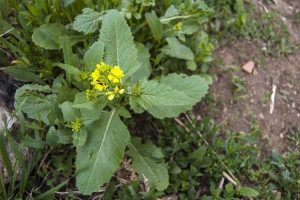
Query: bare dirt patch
(238, 109)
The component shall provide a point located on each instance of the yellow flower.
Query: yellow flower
(118, 90)
(178, 26)
(117, 72)
(99, 87)
(110, 77)
(106, 78)
(76, 125)
(95, 75)
(110, 95)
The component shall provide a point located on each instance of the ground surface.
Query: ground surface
(243, 100)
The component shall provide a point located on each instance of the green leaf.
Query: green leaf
(57, 136)
(155, 25)
(50, 193)
(47, 36)
(45, 104)
(68, 2)
(79, 137)
(71, 70)
(144, 58)
(93, 56)
(119, 45)
(88, 21)
(67, 50)
(147, 165)
(178, 50)
(173, 95)
(171, 12)
(248, 192)
(22, 73)
(193, 86)
(100, 156)
(69, 113)
(191, 65)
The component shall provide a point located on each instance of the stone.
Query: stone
(249, 67)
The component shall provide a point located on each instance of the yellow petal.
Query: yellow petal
(117, 72)
(110, 77)
(99, 87)
(111, 97)
(121, 91)
(94, 82)
(95, 74)
(115, 80)
(116, 89)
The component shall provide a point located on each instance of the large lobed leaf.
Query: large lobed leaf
(100, 156)
(148, 162)
(48, 36)
(45, 104)
(178, 50)
(118, 41)
(173, 95)
(88, 21)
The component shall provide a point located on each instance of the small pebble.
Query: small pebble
(249, 67)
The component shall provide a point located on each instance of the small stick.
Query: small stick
(229, 178)
(221, 183)
(7, 32)
(274, 89)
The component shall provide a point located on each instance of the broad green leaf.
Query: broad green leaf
(146, 163)
(155, 97)
(194, 87)
(144, 58)
(45, 104)
(155, 25)
(119, 45)
(71, 70)
(47, 36)
(35, 143)
(178, 50)
(170, 12)
(69, 113)
(20, 73)
(93, 55)
(99, 158)
(57, 136)
(88, 21)
(173, 95)
(248, 192)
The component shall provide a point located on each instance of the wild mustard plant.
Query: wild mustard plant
(84, 106)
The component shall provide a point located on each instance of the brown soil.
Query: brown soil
(252, 107)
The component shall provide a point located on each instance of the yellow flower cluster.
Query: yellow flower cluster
(76, 125)
(106, 78)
